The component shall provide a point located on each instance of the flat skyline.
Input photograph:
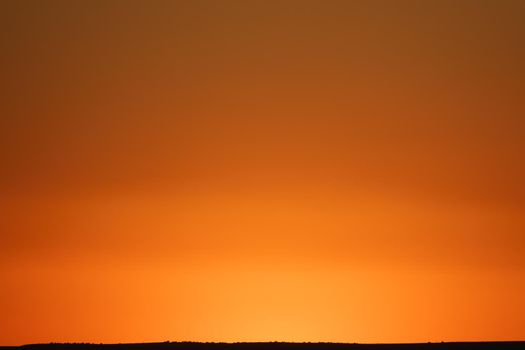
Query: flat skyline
(304, 171)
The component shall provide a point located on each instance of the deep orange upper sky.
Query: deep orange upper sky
(349, 171)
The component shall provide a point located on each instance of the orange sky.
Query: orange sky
(349, 171)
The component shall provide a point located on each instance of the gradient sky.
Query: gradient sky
(349, 171)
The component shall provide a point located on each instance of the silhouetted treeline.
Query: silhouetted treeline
(274, 346)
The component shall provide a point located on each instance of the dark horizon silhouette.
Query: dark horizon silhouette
(275, 345)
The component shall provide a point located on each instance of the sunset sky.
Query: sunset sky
(258, 170)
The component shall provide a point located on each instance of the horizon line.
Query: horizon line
(264, 342)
